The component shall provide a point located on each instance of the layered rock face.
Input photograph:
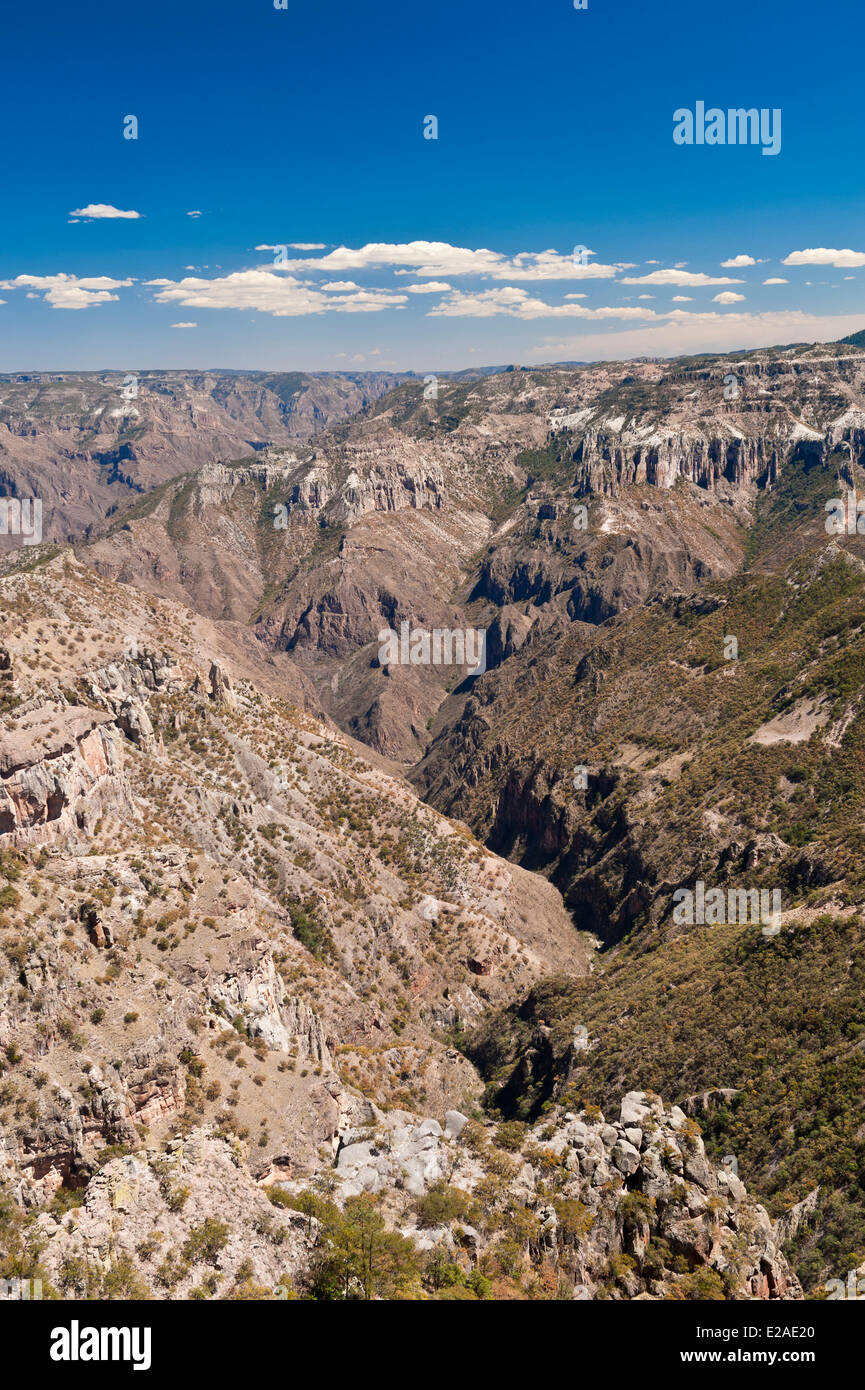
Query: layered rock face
(611, 460)
(727, 424)
(59, 771)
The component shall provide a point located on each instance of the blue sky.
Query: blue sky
(305, 126)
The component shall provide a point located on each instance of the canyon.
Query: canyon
(345, 939)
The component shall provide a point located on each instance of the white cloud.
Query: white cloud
(429, 287)
(727, 297)
(737, 262)
(683, 299)
(517, 303)
(67, 291)
(438, 259)
(269, 293)
(195, 213)
(184, 325)
(775, 280)
(94, 212)
(645, 296)
(821, 255)
(333, 285)
(693, 278)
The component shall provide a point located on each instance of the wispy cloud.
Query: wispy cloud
(683, 332)
(692, 278)
(292, 246)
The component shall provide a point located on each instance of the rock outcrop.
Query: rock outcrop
(622, 1209)
(169, 1221)
(59, 771)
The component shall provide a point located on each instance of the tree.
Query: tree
(358, 1258)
